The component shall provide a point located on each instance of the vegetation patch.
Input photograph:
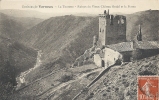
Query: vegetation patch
(66, 78)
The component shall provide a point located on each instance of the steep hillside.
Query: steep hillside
(14, 59)
(65, 35)
(21, 58)
(149, 21)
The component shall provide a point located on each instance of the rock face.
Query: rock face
(87, 56)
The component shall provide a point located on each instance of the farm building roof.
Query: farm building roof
(121, 47)
(130, 46)
(147, 44)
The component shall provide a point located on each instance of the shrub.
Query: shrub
(66, 78)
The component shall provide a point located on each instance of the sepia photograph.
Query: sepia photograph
(79, 49)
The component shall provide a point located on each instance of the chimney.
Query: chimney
(132, 44)
(139, 34)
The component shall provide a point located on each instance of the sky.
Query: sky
(81, 6)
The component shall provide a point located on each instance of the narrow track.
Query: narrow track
(40, 79)
(95, 80)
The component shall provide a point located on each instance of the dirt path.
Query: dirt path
(29, 84)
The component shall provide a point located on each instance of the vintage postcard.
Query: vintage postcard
(79, 49)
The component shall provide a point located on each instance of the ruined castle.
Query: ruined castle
(111, 47)
(115, 49)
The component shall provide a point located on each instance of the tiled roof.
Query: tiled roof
(147, 44)
(121, 47)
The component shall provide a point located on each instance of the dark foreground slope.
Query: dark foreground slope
(119, 83)
(14, 59)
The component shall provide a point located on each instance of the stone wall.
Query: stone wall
(111, 57)
(97, 60)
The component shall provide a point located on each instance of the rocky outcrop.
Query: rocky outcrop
(81, 60)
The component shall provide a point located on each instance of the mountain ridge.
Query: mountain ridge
(11, 27)
(25, 13)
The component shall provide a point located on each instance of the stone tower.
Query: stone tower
(139, 34)
(112, 29)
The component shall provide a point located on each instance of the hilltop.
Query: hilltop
(25, 13)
